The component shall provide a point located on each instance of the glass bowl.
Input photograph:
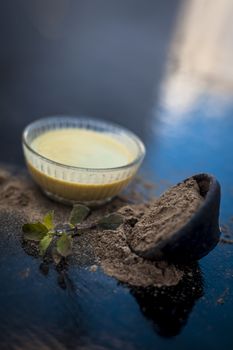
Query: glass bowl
(72, 184)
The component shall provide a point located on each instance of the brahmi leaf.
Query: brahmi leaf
(64, 245)
(34, 231)
(111, 221)
(44, 244)
(78, 214)
(48, 220)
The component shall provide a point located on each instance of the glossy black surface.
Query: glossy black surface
(163, 69)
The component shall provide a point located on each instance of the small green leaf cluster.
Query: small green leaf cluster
(45, 234)
(58, 240)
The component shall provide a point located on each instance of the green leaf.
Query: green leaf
(44, 244)
(111, 221)
(48, 220)
(56, 256)
(64, 245)
(34, 231)
(78, 214)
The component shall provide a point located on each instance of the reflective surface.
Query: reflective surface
(189, 130)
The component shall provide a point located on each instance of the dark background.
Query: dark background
(100, 58)
(134, 63)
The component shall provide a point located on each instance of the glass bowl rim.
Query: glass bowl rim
(141, 151)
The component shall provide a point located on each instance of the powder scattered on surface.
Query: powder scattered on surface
(166, 215)
(227, 232)
(117, 260)
(110, 249)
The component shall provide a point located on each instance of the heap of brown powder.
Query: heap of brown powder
(166, 215)
(144, 224)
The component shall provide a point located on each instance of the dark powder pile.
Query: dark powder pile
(166, 215)
(144, 224)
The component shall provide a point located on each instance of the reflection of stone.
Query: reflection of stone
(169, 307)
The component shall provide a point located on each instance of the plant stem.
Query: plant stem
(78, 227)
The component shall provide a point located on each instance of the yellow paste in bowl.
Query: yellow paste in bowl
(86, 149)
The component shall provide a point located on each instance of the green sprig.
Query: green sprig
(58, 240)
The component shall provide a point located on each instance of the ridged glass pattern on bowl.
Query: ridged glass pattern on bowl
(106, 182)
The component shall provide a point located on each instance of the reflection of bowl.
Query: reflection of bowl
(70, 184)
(170, 307)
